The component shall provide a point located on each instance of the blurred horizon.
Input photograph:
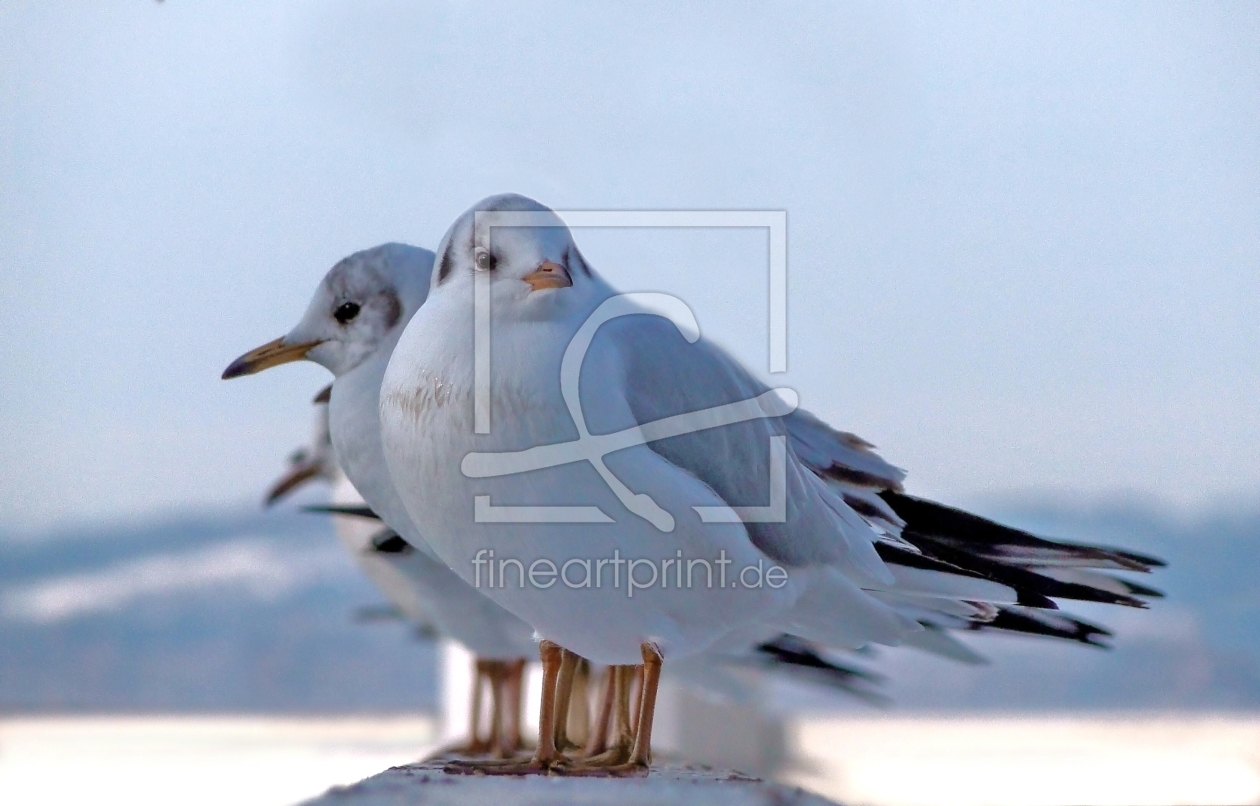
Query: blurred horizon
(262, 612)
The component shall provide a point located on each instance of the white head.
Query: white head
(362, 305)
(536, 269)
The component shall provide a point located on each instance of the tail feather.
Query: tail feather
(794, 655)
(1022, 579)
(1097, 579)
(982, 535)
(1053, 625)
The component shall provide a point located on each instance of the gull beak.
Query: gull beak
(548, 275)
(271, 354)
(290, 481)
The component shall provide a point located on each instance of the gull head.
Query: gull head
(524, 248)
(360, 307)
(307, 464)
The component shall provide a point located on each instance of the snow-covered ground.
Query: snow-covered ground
(196, 761)
(884, 761)
(1128, 760)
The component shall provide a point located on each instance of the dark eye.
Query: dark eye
(346, 311)
(485, 260)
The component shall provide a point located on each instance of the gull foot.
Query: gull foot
(612, 757)
(583, 769)
(531, 766)
(466, 749)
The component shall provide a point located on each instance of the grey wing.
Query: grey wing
(663, 375)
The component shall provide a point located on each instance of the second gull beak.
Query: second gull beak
(271, 354)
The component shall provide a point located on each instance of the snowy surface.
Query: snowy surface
(667, 785)
(1131, 759)
(197, 761)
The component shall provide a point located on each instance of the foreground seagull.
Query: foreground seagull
(615, 430)
(357, 314)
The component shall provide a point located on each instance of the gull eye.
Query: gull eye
(346, 311)
(485, 261)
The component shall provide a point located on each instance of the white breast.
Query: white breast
(450, 604)
(427, 430)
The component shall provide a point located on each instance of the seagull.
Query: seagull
(375, 548)
(371, 543)
(357, 314)
(510, 453)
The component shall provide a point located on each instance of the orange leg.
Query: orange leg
(496, 671)
(641, 755)
(514, 687)
(547, 756)
(621, 742)
(579, 725)
(631, 760)
(638, 698)
(564, 699)
(598, 741)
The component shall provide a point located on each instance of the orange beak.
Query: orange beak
(548, 275)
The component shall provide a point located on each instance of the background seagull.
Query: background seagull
(376, 549)
(357, 314)
(367, 539)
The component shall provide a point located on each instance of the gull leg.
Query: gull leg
(639, 758)
(617, 753)
(513, 690)
(641, 755)
(564, 698)
(598, 741)
(622, 735)
(496, 670)
(546, 756)
(473, 745)
(638, 698)
(580, 705)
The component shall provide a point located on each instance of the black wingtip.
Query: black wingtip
(1143, 590)
(790, 653)
(1064, 627)
(354, 512)
(950, 523)
(390, 542)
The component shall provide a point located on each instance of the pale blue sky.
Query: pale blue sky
(1024, 238)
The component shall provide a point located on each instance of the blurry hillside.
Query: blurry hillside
(263, 612)
(240, 612)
